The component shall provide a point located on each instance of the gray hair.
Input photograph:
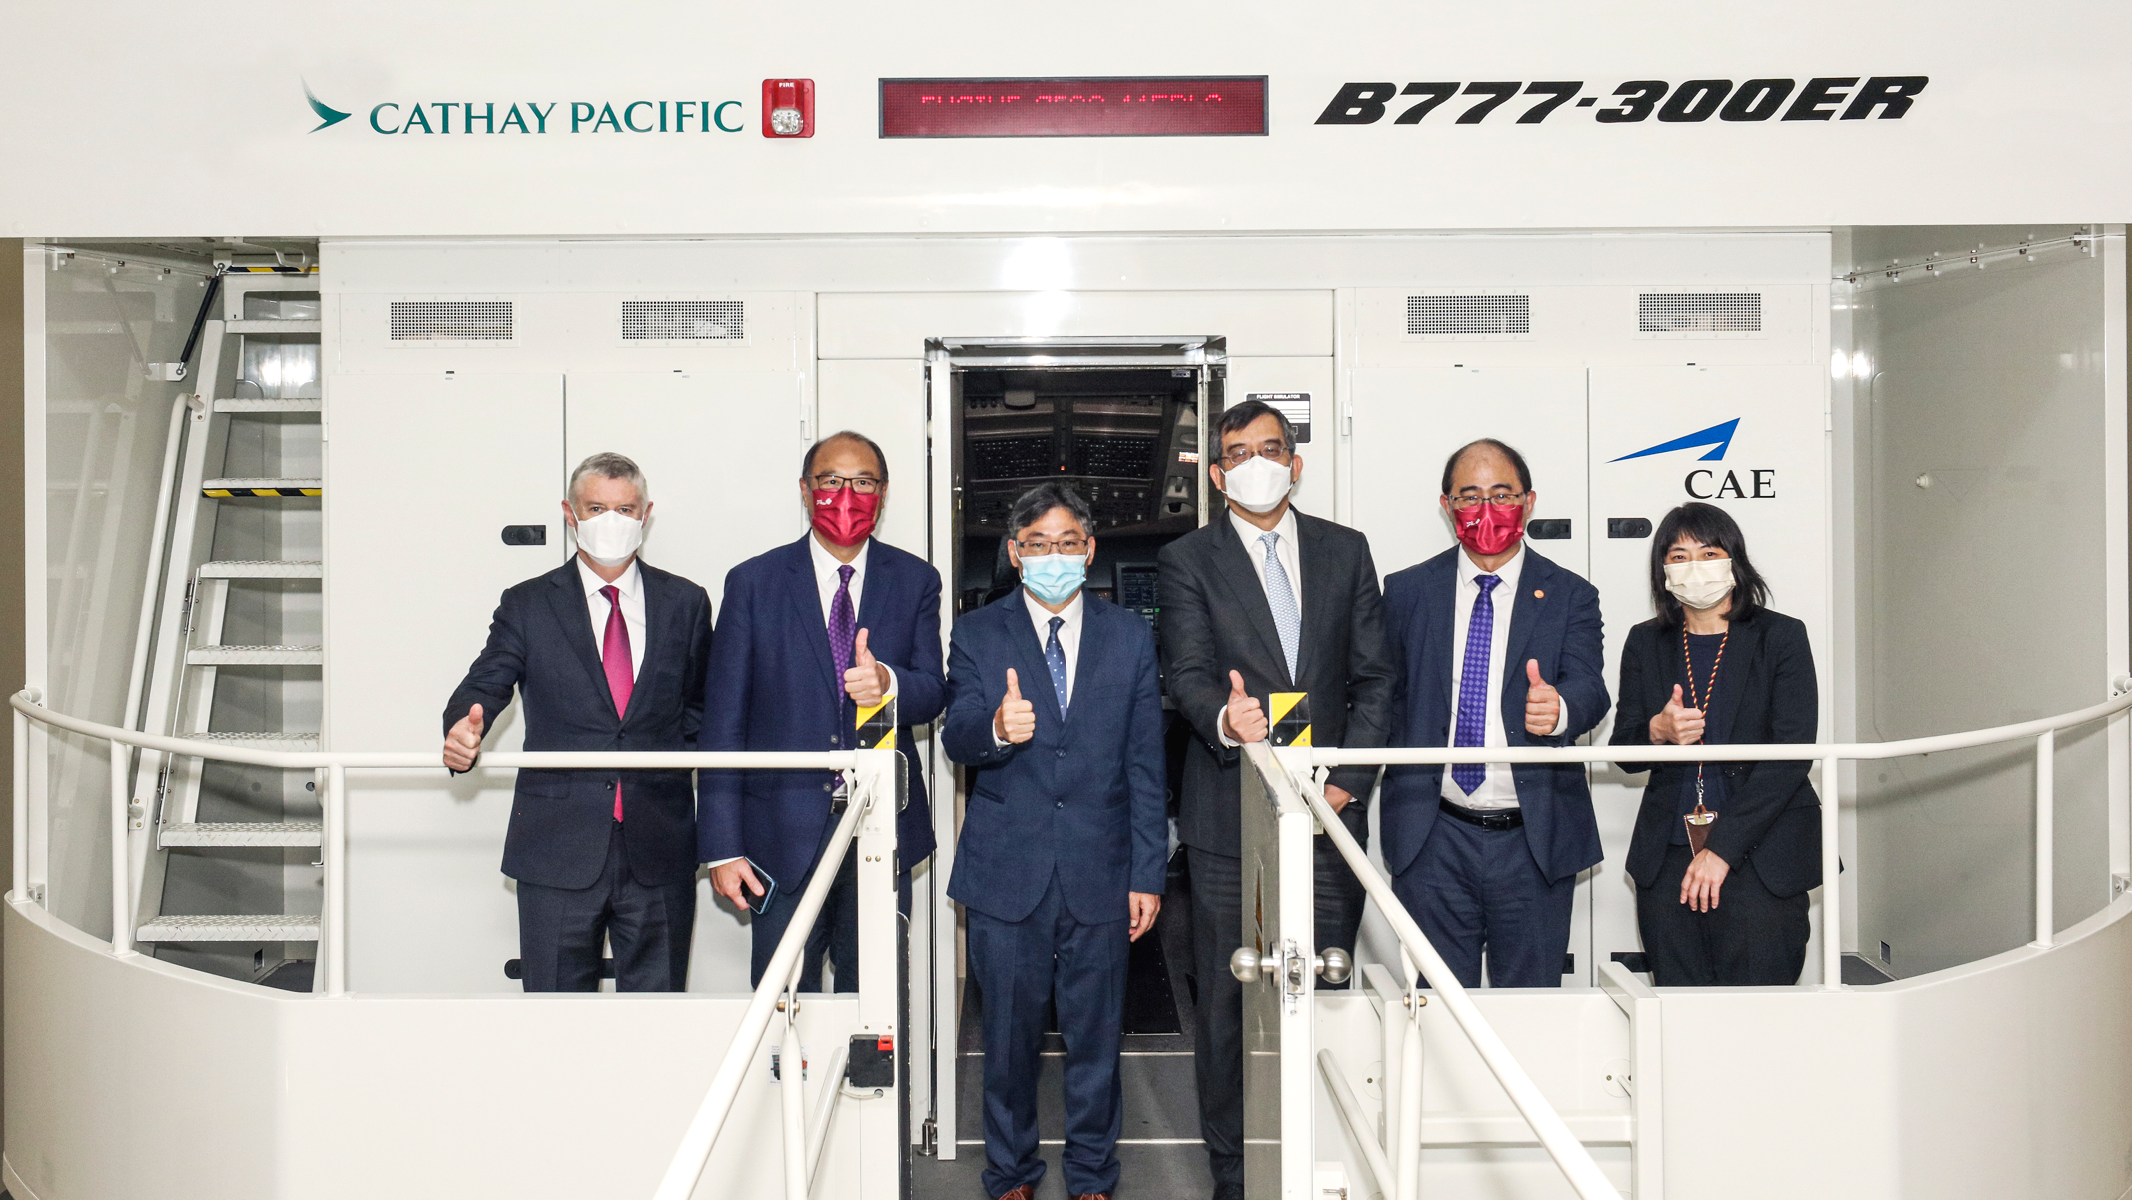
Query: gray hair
(1044, 497)
(608, 465)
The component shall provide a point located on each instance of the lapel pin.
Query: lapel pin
(1537, 594)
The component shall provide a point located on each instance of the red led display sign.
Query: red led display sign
(1194, 106)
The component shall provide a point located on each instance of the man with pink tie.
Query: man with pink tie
(608, 653)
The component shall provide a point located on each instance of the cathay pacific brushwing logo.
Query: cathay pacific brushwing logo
(327, 115)
(1717, 437)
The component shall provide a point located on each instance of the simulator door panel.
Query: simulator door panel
(1407, 422)
(1769, 470)
(423, 475)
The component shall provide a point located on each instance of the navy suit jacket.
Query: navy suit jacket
(541, 645)
(772, 685)
(1554, 618)
(1083, 798)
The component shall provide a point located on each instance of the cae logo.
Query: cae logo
(1762, 480)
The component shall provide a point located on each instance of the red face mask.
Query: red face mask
(1488, 529)
(844, 516)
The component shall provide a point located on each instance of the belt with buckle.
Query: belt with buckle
(1494, 820)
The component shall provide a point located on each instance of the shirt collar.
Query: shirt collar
(826, 564)
(1250, 534)
(1041, 616)
(628, 582)
(1508, 572)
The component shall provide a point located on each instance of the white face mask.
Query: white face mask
(1259, 484)
(1700, 583)
(610, 538)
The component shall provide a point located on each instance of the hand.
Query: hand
(1015, 721)
(1246, 720)
(463, 744)
(1677, 725)
(867, 680)
(1543, 704)
(1699, 884)
(1338, 797)
(1143, 906)
(726, 879)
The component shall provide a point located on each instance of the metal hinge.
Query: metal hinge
(2119, 884)
(929, 1138)
(185, 612)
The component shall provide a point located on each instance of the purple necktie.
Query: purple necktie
(616, 661)
(843, 626)
(1473, 685)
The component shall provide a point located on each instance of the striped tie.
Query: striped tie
(1473, 685)
(1280, 597)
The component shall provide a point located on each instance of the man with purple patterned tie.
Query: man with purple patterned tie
(607, 653)
(1492, 645)
(806, 633)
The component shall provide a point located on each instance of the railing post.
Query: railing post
(2046, 770)
(1831, 873)
(20, 883)
(791, 1077)
(333, 847)
(881, 1148)
(121, 873)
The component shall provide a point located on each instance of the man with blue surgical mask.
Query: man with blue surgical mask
(1055, 706)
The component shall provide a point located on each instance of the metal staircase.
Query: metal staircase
(230, 649)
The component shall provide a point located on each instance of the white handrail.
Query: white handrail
(1407, 756)
(1569, 1154)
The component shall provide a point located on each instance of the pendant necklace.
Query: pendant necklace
(1701, 819)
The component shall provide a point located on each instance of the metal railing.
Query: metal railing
(869, 774)
(1574, 1159)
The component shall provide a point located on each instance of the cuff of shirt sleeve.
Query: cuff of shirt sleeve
(1561, 719)
(723, 861)
(893, 690)
(1221, 727)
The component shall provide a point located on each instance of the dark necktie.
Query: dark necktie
(621, 677)
(843, 626)
(1055, 658)
(1473, 685)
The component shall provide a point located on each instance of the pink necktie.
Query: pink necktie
(614, 656)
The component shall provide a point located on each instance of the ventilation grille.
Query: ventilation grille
(1468, 316)
(1699, 312)
(683, 320)
(451, 320)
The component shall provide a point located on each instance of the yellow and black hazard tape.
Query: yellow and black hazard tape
(236, 493)
(1290, 714)
(310, 270)
(876, 726)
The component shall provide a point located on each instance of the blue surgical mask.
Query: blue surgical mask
(1054, 578)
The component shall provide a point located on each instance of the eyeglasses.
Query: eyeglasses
(1038, 547)
(865, 485)
(1500, 499)
(1236, 456)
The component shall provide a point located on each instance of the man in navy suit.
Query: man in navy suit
(807, 632)
(1054, 704)
(608, 653)
(1492, 645)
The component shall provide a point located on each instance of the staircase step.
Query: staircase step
(241, 833)
(265, 326)
(247, 568)
(267, 927)
(263, 741)
(222, 489)
(256, 656)
(299, 404)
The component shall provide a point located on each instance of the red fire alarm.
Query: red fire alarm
(787, 108)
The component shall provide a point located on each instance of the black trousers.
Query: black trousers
(1751, 939)
(1477, 892)
(1023, 968)
(649, 925)
(835, 936)
(1217, 930)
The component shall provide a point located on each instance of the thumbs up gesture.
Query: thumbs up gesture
(1245, 718)
(1015, 721)
(867, 680)
(1677, 725)
(463, 744)
(1543, 704)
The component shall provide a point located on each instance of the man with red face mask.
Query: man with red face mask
(806, 633)
(1491, 645)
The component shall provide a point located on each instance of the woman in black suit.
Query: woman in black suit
(1717, 666)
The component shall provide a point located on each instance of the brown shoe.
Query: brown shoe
(1024, 1192)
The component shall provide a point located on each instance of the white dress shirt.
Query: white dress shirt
(630, 585)
(1499, 790)
(1041, 691)
(1286, 550)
